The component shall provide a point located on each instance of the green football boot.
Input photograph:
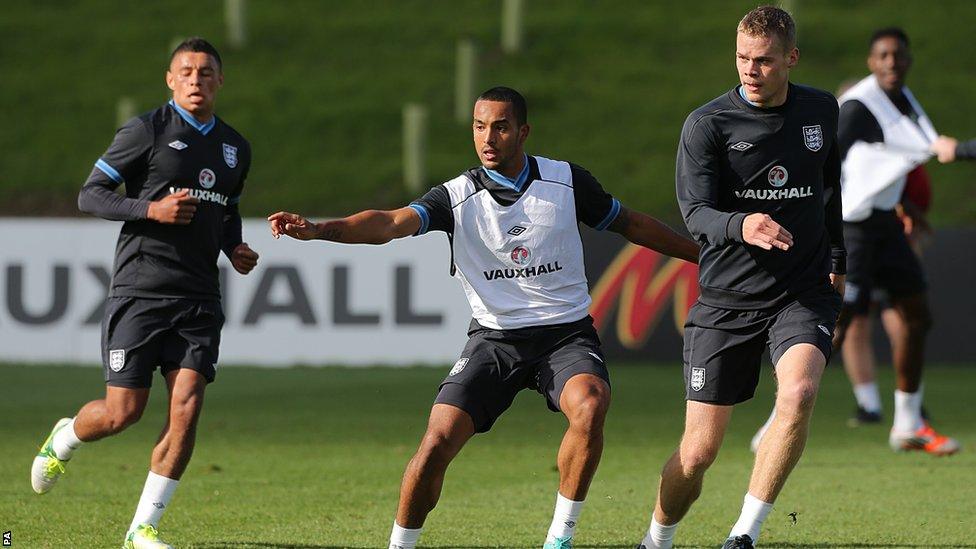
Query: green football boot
(144, 536)
(47, 468)
(559, 543)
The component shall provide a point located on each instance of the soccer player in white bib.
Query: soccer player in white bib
(515, 243)
(883, 134)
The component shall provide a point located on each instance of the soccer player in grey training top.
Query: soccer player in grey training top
(513, 224)
(183, 170)
(758, 175)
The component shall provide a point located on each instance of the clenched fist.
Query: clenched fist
(243, 258)
(174, 209)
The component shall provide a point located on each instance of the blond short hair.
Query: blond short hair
(769, 21)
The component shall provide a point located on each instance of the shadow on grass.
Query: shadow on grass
(862, 545)
(272, 545)
(269, 545)
(813, 546)
(852, 545)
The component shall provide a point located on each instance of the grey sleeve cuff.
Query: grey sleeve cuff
(966, 149)
(838, 261)
(733, 230)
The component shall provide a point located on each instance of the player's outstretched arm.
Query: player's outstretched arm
(644, 230)
(949, 149)
(366, 227)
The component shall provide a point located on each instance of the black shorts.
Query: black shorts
(723, 347)
(879, 256)
(496, 364)
(139, 334)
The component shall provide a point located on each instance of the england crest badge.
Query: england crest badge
(697, 378)
(458, 366)
(812, 137)
(230, 155)
(116, 359)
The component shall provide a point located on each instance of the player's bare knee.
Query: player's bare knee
(436, 450)
(695, 462)
(587, 407)
(696, 457)
(120, 417)
(184, 412)
(796, 400)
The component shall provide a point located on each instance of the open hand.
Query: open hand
(760, 230)
(292, 225)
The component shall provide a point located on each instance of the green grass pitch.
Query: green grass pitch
(310, 458)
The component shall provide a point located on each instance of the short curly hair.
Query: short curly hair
(770, 21)
(197, 45)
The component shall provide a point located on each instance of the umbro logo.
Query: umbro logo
(516, 230)
(741, 146)
(178, 145)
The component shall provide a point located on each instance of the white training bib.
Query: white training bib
(873, 174)
(521, 265)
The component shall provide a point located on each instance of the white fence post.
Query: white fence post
(465, 74)
(414, 146)
(512, 25)
(234, 13)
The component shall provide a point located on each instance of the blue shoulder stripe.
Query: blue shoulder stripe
(611, 215)
(109, 171)
(424, 218)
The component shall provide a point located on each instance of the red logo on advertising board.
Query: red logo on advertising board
(639, 283)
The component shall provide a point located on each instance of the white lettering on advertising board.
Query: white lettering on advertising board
(305, 303)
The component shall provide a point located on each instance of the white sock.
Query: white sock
(66, 441)
(404, 538)
(908, 411)
(564, 518)
(155, 497)
(659, 536)
(868, 397)
(754, 512)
